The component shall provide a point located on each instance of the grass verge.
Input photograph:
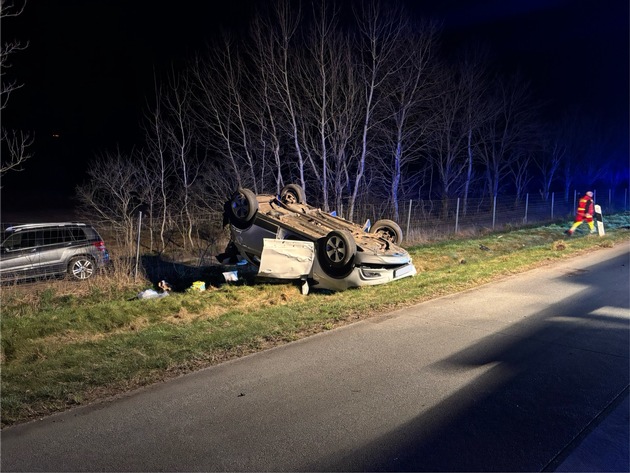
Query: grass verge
(64, 346)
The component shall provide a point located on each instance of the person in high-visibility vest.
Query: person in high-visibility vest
(584, 214)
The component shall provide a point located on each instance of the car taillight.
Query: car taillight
(100, 245)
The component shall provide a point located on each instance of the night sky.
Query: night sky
(89, 68)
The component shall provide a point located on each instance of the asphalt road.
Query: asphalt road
(504, 377)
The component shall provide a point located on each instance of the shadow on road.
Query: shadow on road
(549, 379)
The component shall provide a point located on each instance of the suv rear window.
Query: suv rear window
(78, 234)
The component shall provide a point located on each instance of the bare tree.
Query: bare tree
(548, 162)
(449, 135)
(341, 110)
(112, 197)
(321, 76)
(475, 82)
(283, 26)
(179, 133)
(16, 143)
(507, 129)
(407, 119)
(573, 135)
(237, 106)
(521, 172)
(269, 121)
(589, 155)
(598, 156)
(380, 31)
(344, 125)
(156, 170)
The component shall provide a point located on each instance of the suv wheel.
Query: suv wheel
(243, 207)
(81, 268)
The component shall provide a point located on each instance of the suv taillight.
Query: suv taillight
(100, 245)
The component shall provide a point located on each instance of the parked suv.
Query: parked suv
(51, 249)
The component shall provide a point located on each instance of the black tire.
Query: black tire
(336, 253)
(389, 230)
(292, 194)
(243, 206)
(81, 268)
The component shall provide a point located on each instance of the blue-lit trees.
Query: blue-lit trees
(358, 106)
(508, 129)
(405, 126)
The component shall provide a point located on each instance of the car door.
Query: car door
(52, 255)
(19, 255)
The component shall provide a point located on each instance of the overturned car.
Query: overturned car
(288, 239)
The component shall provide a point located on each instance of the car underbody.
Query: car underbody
(335, 253)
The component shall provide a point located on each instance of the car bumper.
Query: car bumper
(362, 276)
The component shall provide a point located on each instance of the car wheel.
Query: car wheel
(336, 252)
(81, 268)
(243, 207)
(389, 230)
(292, 194)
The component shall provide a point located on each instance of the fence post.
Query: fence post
(409, 217)
(609, 200)
(574, 200)
(457, 216)
(135, 275)
(494, 211)
(526, 207)
(553, 199)
(625, 200)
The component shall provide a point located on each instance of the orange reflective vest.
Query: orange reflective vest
(585, 206)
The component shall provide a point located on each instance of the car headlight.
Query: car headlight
(368, 273)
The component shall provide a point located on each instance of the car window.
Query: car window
(67, 235)
(91, 233)
(42, 237)
(36, 238)
(21, 240)
(13, 241)
(29, 239)
(53, 236)
(78, 234)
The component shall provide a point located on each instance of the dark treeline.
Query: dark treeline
(355, 106)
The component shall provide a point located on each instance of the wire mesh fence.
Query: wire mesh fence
(195, 240)
(431, 219)
(421, 220)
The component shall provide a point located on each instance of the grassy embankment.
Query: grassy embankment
(65, 344)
